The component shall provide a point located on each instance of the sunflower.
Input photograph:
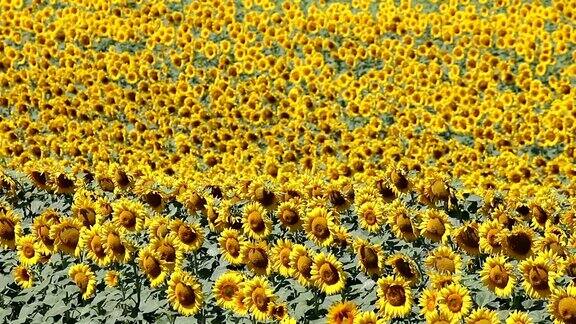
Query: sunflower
(255, 223)
(111, 279)
(444, 260)
(483, 316)
(158, 226)
(152, 265)
(258, 297)
(169, 251)
(38, 175)
(551, 243)
(454, 301)
(539, 275)
(435, 225)
(562, 305)
(399, 219)
(568, 267)
(84, 209)
(239, 304)
(489, 236)
(394, 297)
(116, 244)
(518, 242)
(342, 238)
(343, 312)
(28, 250)
(327, 273)
(264, 192)
(301, 260)
(10, 228)
(23, 276)
(226, 288)
(63, 182)
(66, 236)
(428, 302)
(189, 236)
(255, 256)
(440, 318)
(92, 241)
(84, 278)
(441, 280)
(129, 214)
(230, 242)
(290, 215)
(498, 276)
(368, 317)
(404, 266)
(370, 257)
(41, 230)
(399, 180)
(281, 257)
(468, 238)
(517, 317)
(216, 220)
(278, 311)
(317, 225)
(435, 188)
(185, 293)
(370, 216)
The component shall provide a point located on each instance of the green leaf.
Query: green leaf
(58, 309)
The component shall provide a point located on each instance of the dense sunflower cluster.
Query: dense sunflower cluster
(401, 159)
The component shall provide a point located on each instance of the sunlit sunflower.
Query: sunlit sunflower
(400, 181)
(158, 226)
(455, 301)
(41, 231)
(435, 188)
(562, 305)
(258, 296)
(111, 279)
(129, 214)
(116, 244)
(467, 238)
(281, 257)
(23, 276)
(327, 273)
(440, 318)
(441, 280)
(169, 251)
(317, 225)
(230, 242)
(518, 317)
(539, 274)
(489, 236)
(278, 311)
(185, 293)
(551, 243)
(190, 236)
(301, 260)
(28, 250)
(62, 182)
(399, 218)
(435, 225)
(84, 278)
(84, 209)
(342, 313)
(226, 288)
(264, 192)
(38, 175)
(483, 316)
(66, 236)
(240, 306)
(428, 302)
(92, 241)
(370, 257)
(342, 237)
(394, 297)
(370, 216)
(518, 242)
(255, 256)
(155, 269)
(290, 215)
(10, 229)
(368, 317)
(256, 224)
(444, 260)
(498, 276)
(404, 266)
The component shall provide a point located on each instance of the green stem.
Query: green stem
(138, 288)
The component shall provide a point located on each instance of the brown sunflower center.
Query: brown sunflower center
(81, 280)
(470, 238)
(284, 256)
(396, 295)
(185, 294)
(329, 273)
(320, 228)
(304, 265)
(400, 181)
(87, 216)
(39, 177)
(256, 222)
(520, 243)
(260, 298)
(44, 234)
(232, 246)
(539, 215)
(454, 302)
(96, 246)
(106, 184)
(439, 190)
(153, 199)
(69, 237)
(152, 266)
(336, 198)
(167, 252)
(28, 251)
(63, 182)
(289, 217)
(115, 243)
(435, 227)
(7, 229)
(538, 277)
(403, 267)
(228, 291)
(122, 178)
(492, 237)
(258, 258)
(499, 276)
(24, 274)
(186, 234)
(370, 217)
(445, 264)
(404, 223)
(567, 309)
(369, 257)
(127, 218)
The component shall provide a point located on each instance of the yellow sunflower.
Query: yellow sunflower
(327, 273)
(562, 305)
(153, 266)
(281, 257)
(255, 256)
(467, 238)
(489, 236)
(428, 302)
(129, 214)
(455, 301)
(158, 227)
(399, 219)
(435, 225)
(227, 287)
(342, 313)
(290, 215)
(318, 224)
(518, 242)
(111, 279)
(10, 228)
(23, 276)
(28, 250)
(230, 243)
(394, 297)
(483, 316)
(498, 276)
(66, 236)
(518, 317)
(444, 260)
(189, 236)
(116, 244)
(84, 278)
(278, 311)
(41, 231)
(404, 266)
(539, 274)
(370, 216)
(440, 318)
(169, 251)
(370, 257)
(84, 209)
(185, 293)
(441, 280)
(368, 317)
(258, 296)
(301, 260)
(255, 223)
(92, 241)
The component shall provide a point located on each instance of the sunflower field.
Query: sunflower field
(298, 161)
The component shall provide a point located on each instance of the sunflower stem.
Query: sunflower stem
(138, 289)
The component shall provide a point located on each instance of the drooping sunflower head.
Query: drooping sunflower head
(256, 257)
(38, 175)
(455, 301)
(84, 278)
(169, 251)
(264, 192)
(28, 250)
(518, 242)
(185, 293)
(444, 260)
(405, 267)
(116, 243)
(327, 273)
(258, 297)
(290, 215)
(551, 243)
(435, 188)
(230, 242)
(227, 287)
(342, 312)
(498, 276)
(301, 260)
(370, 257)
(129, 214)
(539, 274)
(468, 238)
(278, 311)
(435, 225)
(190, 236)
(66, 236)
(400, 220)
(281, 257)
(23, 276)
(194, 200)
(256, 223)
(400, 181)
(152, 266)
(318, 224)
(370, 216)
(339, 195)
(10, 228)
(394, 297)
(112, 278)
(562, 305)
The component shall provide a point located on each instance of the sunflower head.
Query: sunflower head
(370, 215)
(189, 236)
(468, 238)
(227, 287)
(401, 222)
(255, 256)
(10, 228)
(370, 257)
(405, 267)
(23, 276)
(28, 250)
(185, 293)
(129, 214)
(444, 260)
(84, 278)
(290, 215)
(256, 223)
(518, 317)
(497, 275)
(318, 224)
(258, 297)
(281, 257)
(342, 312)
(455, 301)
(66, 236)
(230, 242)
(92, 241)
(152, 266)
(562, 305)
(327, 273)
(116, 244)
(435, 225)
(539, 274)
(158, 227)
(301, 260)
(169, 251)
(394, 297)
(111, 279)
(428, 302)
(518, 242)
